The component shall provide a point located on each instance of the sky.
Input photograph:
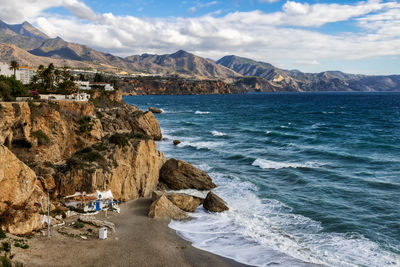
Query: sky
(311, 36)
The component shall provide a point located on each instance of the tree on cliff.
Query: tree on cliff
(66, 83)
(11, 88)
(52, 80)
(99, 78)
(14, 65)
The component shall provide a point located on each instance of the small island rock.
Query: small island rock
(214, 203)
(178, 174)
(176, 142)
(155, 110)
(163, 208)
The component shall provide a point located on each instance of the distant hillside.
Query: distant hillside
(11, 52)
(294, 80)
(182, 63)
(30, 46)
(22, 35)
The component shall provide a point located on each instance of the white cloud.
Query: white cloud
(306, 62)
(279, 36)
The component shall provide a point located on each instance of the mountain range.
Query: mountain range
(29, 46)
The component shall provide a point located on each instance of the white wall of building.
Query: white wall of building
(5, 70)
(24, 74)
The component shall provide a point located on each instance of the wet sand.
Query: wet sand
(138, 241)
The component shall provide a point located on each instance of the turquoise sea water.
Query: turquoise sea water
(309, 178)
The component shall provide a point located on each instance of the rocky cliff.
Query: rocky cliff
(177, 86)
(126, 165)
(65, 147)
(21, 197)
(264, 77)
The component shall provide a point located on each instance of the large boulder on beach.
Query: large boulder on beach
(163, 208)
(155, 110)
(183, 201)
(214, 203)
(178, 174)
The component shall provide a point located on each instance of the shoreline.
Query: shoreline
(138, 241)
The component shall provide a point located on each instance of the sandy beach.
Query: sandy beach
(138, 241)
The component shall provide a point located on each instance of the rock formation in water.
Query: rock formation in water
(177, 175)
(214, 203)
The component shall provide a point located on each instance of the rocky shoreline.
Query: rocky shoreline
(61, 148)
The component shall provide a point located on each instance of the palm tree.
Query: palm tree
(14, 66)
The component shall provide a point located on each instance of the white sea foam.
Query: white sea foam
(269, 164)
(205, 167)
(200, 144)
(216, 133)
(265, 232)
(198, 112)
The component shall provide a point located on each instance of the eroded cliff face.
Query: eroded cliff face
(46, 131)
(130, 171)
(164, 86)
(21, 197)
(67, 147)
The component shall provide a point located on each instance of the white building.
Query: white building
(83, 85)
(73, 97)
(96, 201)
(107, 86)
(23, 74)
(26, 74)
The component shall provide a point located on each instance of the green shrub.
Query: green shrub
(140, 136)
(6, 247)
(85, 124)
(2, 234)
(82, 159)
(10, 88)
(41, 137)
(99, 147)
(48, 164)
(17, 109)
(5, 262)
(119, 139)
(79, 224)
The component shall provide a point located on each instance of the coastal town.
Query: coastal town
(50, 83)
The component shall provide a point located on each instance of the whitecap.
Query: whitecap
(198, 112)
(204, 166)
(269, 164)
(200, 144)
(216, 133)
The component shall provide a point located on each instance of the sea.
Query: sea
(311, 179)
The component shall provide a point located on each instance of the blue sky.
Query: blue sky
(312, 36)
